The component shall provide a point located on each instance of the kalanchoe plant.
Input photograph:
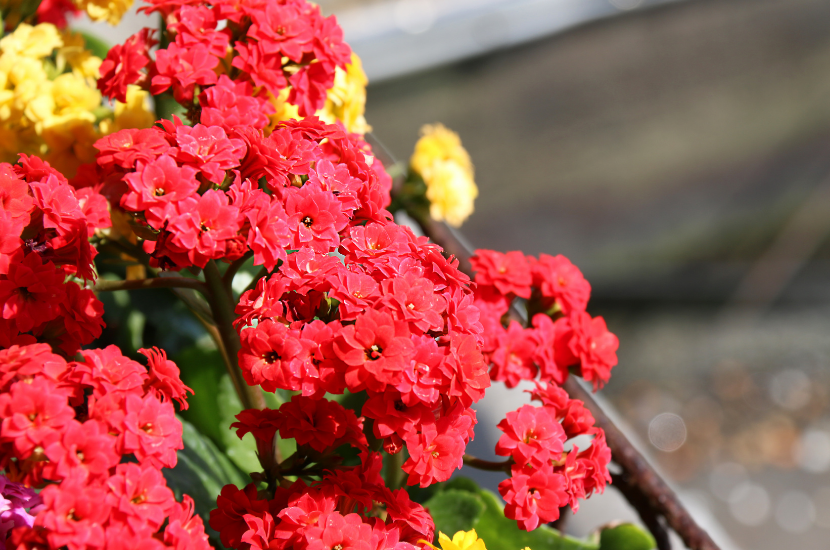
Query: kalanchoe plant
(377, 343)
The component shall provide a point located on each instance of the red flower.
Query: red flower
(202, 225)
(321, 424)
(232, 104)
(434, 454)
(356, 292)
(25, 362)
(583, 341)
(262, 423)
(158, 186)
(595, 460)
(333, 530)
(274, 356)
(15, 199)
(185, 530)
(183, 69)
(509, 272)
(82, 315)
(126, 148)
(124, 63)
(532, 435)
(108, 371)
(31, 292)
(269, 235)
(150, 430)
(32, 412)
(196, 25)
(209, 150)
(376, 349)
(164, 377)
(74, 513)
(84, 450)
(425, 379)
(513, 358)
(314, 218)
(139, 497)
(561, 281)
(533, 496)
(413, 298)
(233, 505)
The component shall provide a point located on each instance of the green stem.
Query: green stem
(221, 305)
(394, 473)
(234, 268)
(487, 465)
(157, 282)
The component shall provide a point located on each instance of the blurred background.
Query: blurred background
(678, 152)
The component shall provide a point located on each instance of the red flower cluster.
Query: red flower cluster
(544, 476)
(45, 225)
(67, 425)
(393, 318)
(267, 46)
(208, 192)
(339, 511)
(563, 335)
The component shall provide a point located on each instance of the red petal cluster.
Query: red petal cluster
(563, 336)
(544, 476)
(339, 510)
(45, 225)
(268, 47)
(66, 425)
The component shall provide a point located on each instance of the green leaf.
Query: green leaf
(201, 472)
(454, 510)
(500, 533)
(202, 370)
(626, 536)
(241, 451)
(462, 484)
(97, 46)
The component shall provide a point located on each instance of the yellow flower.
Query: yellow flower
(451, 193)
(136, 112)
(73, 93)
(436, 144)
(462, 540)
(80, 60)
(110, 11)
(346, 100)
(447, 171)
(35, 42)
(283, 109)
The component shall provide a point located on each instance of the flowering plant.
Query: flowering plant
(355, 348)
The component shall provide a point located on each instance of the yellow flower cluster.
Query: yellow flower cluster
(49, 104)
(110, 11)
(446, 168)
(462, 540)
(345, 100)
